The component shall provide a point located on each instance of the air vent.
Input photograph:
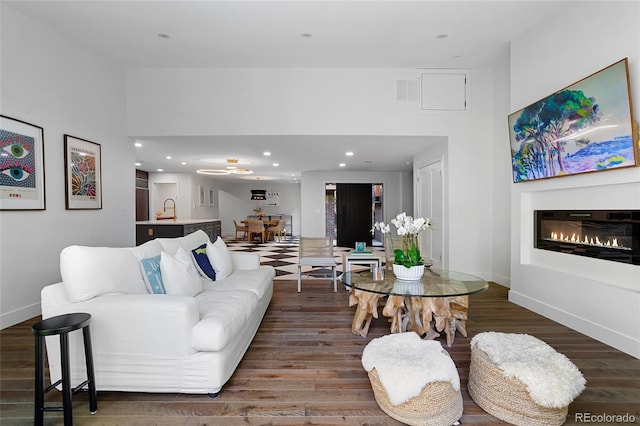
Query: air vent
(407, 90)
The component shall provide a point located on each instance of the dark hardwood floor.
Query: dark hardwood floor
(304, 368)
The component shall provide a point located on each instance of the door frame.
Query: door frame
(333, 186)
(423, 184)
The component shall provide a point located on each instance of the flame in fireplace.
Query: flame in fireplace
(589, 241)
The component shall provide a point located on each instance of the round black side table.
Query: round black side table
(62, 325)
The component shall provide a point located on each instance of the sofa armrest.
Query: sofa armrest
(136, 323)
(245, 261)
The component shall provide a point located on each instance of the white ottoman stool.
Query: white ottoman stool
(413, 380)
(522, 380)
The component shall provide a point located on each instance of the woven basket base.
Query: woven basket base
(507, 398)
(438, 404)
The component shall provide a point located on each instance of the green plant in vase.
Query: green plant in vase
(408, 228)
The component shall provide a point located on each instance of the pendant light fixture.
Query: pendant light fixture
(231, 168)
(258, 194)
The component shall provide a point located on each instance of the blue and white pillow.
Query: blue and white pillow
(202, 263)
(153, 276)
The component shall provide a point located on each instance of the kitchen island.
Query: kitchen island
(168, 228)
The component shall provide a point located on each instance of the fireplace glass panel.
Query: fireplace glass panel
(612, 235)
(607, 234)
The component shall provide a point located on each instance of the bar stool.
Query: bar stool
(62, 325)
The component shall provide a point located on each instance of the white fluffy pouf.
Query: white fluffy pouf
(521, 379)
(414, 380)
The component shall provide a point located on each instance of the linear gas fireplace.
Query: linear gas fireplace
(604, 234)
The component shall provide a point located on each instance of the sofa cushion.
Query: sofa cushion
(257, 281)
(223, 315)
(88, 272)
(179, 275)
(201, 261)
(220, 258)
(188, 242)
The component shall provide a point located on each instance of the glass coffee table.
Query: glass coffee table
(436, 303)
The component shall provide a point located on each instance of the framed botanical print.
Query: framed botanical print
(83, 174)
(21, 165)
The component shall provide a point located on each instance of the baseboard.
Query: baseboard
(504, 281)
(594, 330)
(14, 317)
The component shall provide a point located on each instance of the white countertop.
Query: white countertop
(177, 222)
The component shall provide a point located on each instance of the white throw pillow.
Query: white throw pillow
(220, 258)
(179, 276)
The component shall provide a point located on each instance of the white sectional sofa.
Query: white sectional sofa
(190, 340)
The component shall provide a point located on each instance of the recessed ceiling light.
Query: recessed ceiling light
(442, 36)
(342, 165)
(266, 153)
(349, 153)
(161, 170)
(276, 164)
(168, 157)
(138, 144)
(184, 163)
(138, 164)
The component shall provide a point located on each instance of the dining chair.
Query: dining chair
(240, 228)
(314, 251)
(255, 227)
(278, 230)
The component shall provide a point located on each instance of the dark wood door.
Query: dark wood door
(142, 204)
(353, 208)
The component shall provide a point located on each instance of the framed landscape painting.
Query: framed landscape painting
(585, 127)
(83, 174)
(21, 165)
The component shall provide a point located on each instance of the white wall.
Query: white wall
(236, 203)
(185, 192)
(333, 102)
(56, 84)
(313, 188)
(206, 211)
(501, 173)
(596, 297)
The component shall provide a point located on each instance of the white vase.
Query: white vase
(413, 273)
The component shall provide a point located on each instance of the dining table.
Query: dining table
(267, 223)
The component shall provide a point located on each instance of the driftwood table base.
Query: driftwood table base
(367, 308)
(427, 316)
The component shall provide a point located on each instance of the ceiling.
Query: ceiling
(259, 34)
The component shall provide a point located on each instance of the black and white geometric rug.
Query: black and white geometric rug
(283, 256)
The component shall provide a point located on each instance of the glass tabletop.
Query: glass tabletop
(434, 283)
